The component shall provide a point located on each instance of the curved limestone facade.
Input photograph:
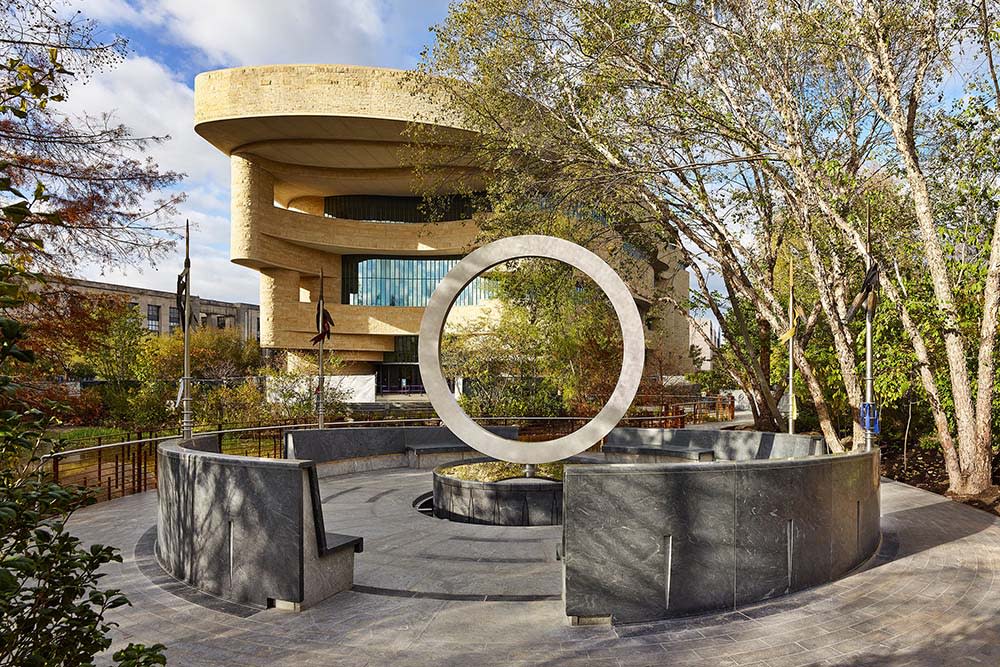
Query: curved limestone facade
(322, 181)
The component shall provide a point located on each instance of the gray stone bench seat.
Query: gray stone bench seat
(352, 449)
(335, 541)
(674, 451)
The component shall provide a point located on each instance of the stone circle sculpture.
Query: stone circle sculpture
(432, 327)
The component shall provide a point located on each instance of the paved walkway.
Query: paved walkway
(408, 552)
(931, 599)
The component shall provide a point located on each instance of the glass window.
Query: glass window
(175, 318)
(220, 321)
(405, 351)
(153, 317)
(401, 281)
(386, 208)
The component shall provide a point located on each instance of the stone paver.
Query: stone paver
(406, 550)
(931, 599)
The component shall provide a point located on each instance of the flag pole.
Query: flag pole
(319, 389)
(187, 420)
(791, 344)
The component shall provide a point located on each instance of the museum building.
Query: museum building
(320, 183)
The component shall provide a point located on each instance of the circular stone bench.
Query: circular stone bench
(247, 529)
(647, 540)
(343, 450)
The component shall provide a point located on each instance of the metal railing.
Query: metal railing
(152, 432)
(123, 468)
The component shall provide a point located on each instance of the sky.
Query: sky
(152, 92)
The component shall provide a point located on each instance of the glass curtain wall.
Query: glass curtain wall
(401, 281)
(385, 208)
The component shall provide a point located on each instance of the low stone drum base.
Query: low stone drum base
(525, 501)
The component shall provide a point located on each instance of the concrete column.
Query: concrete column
(252, 196)
(279, 293)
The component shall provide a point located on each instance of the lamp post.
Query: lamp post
(868, 297)
(320, 407)
(871, 423)
(791, 345)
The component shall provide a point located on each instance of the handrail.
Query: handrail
(122, 468)
(161, 438)
(408, 420)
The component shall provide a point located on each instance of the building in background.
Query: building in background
(320, 183)
(160, 313)
(703, 332)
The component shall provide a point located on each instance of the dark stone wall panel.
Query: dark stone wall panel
(725, 445)
(856, 506)
(332, 444)
(646, 544)
(231, 526)
(648, 541)
(634, 437)
(783, 528)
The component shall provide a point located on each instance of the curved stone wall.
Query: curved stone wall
(338, 451)
(626, 445)
(648, 541)
(247, 529)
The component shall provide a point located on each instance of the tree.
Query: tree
(558, 123)
(68, 328)
(215, 354)
(98, 187)
(554, 349)
(52, 608)
(502, 362)
(744, 133)
(120, 349)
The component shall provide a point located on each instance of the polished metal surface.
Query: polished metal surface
(436, 314)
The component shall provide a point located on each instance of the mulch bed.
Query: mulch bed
(924, 469)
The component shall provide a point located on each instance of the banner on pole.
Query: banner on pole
(183, 280)
(324, 321)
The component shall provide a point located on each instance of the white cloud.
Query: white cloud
(254, 32)
(110, 11)
(149, 98)
(262, 31)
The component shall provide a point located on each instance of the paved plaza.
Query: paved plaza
(432, 592)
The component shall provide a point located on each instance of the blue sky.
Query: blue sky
(171, 41)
